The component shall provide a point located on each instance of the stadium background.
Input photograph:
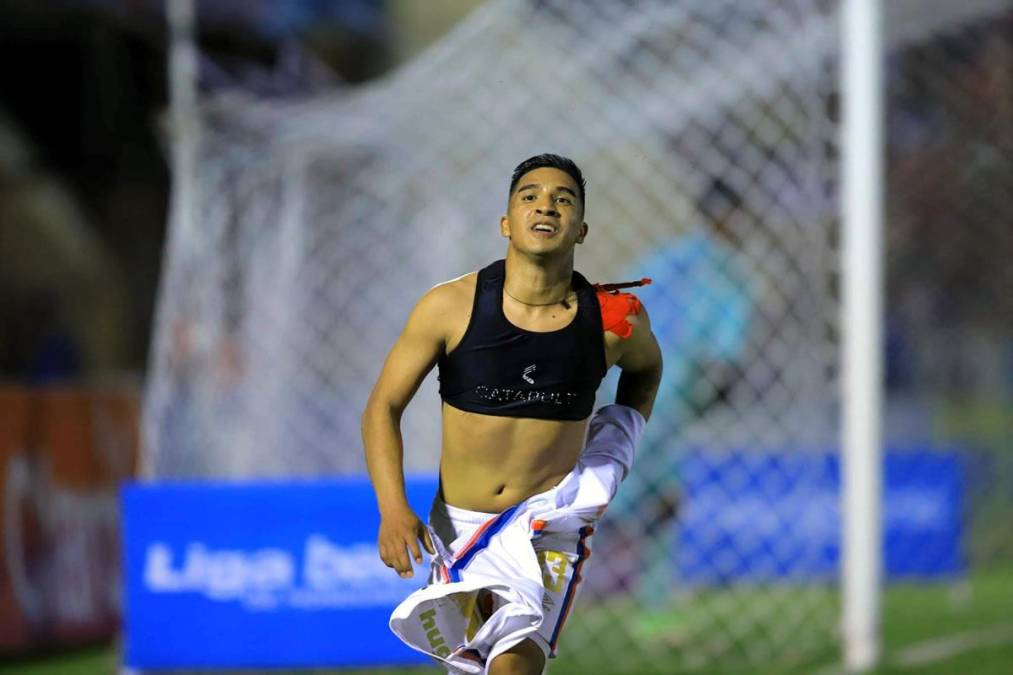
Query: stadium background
(85, 184)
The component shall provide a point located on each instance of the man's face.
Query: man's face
(545, 214)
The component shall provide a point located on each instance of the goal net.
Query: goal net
(707, 131)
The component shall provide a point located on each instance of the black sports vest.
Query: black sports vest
(500, 369)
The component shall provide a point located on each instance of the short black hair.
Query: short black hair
(551, 161)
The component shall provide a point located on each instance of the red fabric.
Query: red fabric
(616, 308)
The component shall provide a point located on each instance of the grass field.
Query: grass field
(934, 629)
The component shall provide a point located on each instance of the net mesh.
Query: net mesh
(707, 131)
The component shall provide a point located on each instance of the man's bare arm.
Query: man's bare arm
(412, 357)
(641, 367)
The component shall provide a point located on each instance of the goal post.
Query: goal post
(862, 174)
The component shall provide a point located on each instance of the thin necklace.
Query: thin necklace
(540, 304)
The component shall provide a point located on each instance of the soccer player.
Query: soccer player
(521, 347)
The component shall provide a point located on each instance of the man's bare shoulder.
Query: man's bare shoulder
(445, 309)
(456, 289)
(450, 298)
(640, 325)
(625, 320)
(640, 350)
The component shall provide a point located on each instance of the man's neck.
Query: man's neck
(538, 281)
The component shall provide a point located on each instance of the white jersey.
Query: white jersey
(528, 558)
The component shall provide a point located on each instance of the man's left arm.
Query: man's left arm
(640, 363)
(614, 430)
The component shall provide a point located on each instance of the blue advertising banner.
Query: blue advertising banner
(287, 574)
(261, 575)
(759, 517)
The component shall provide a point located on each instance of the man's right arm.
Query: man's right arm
(414, 354)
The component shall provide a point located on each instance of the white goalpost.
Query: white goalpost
(862, 177)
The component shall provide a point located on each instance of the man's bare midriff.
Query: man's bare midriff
(490, 463)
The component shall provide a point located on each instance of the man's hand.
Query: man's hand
(400, 533)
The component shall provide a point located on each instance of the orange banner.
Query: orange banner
(63, 452)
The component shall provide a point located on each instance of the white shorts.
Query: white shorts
(562, 557)
(498, 579)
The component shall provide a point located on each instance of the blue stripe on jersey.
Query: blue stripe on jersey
(572, 587)
(501, 521)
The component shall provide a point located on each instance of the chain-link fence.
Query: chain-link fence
(707, 131)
